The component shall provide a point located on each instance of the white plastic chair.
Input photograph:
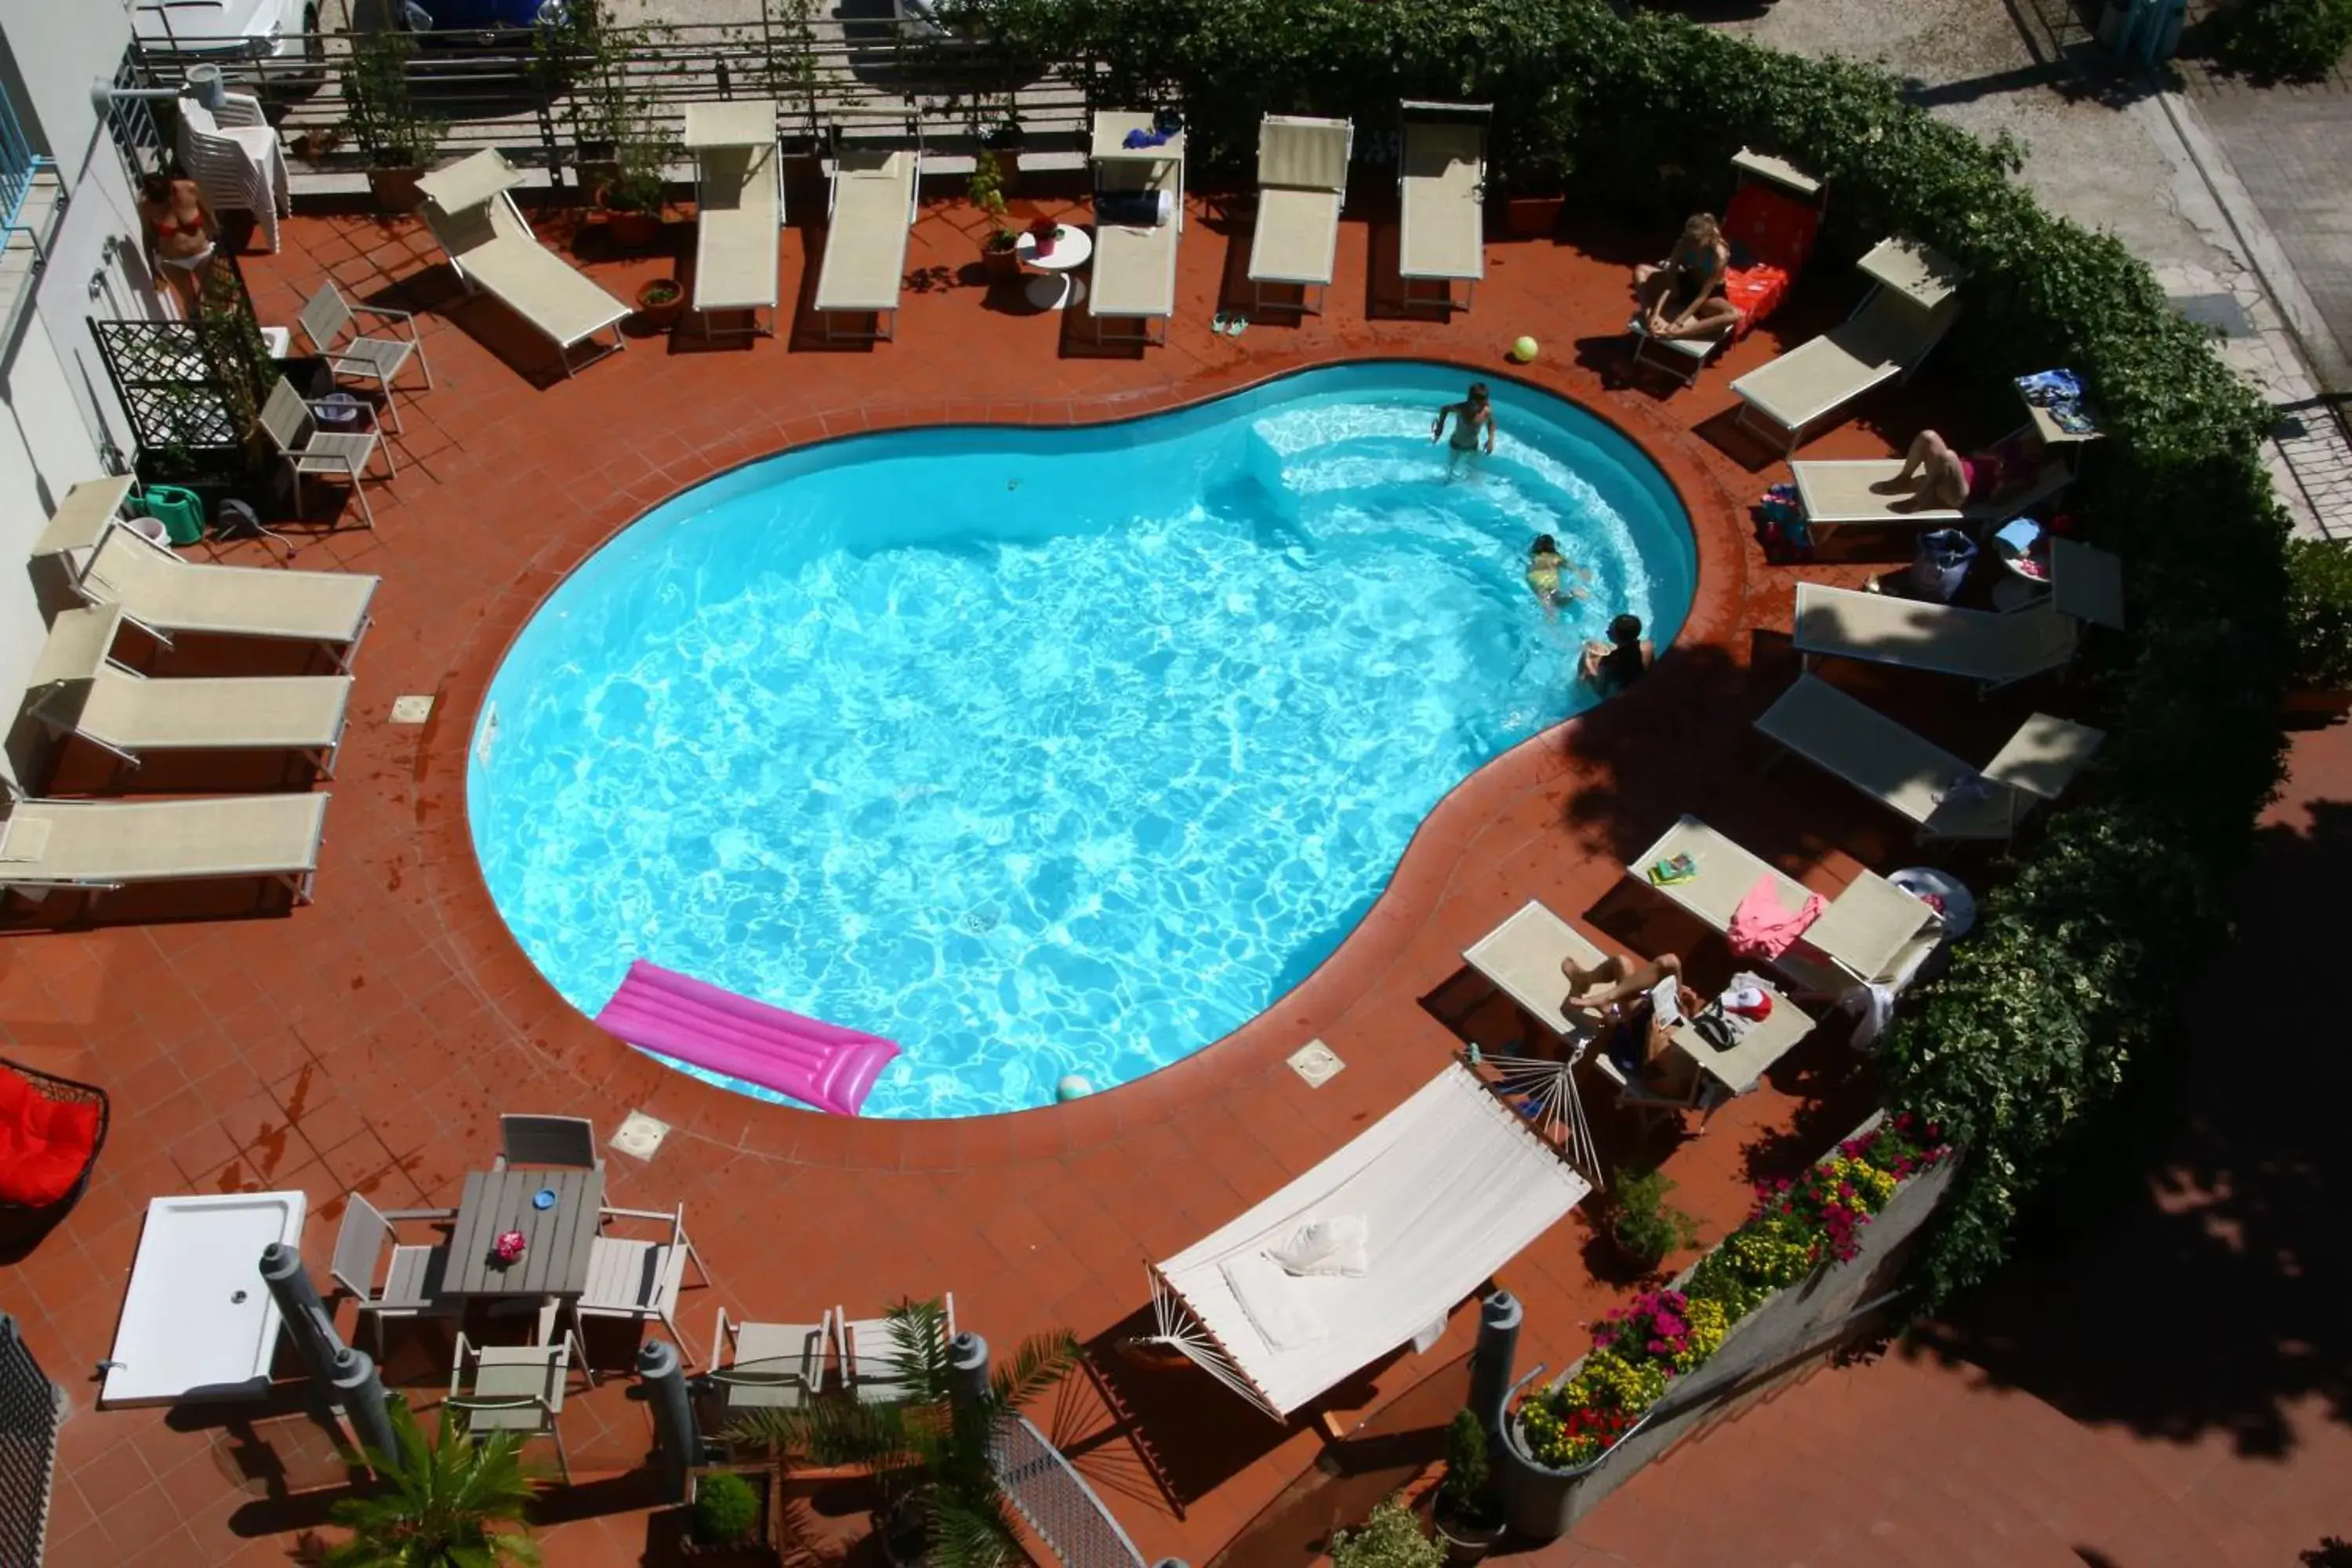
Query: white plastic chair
(327, 316)
(234, 156)
(294, 429)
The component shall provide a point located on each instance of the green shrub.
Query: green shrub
(1646, 1225)
(1391, 1538)
(1466, 1495)
(2299, 40)
(725, 1507)
(2319, 613)
(2086, 946)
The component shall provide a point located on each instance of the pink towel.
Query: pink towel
(1760, 928)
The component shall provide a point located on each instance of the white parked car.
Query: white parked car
(226, 29)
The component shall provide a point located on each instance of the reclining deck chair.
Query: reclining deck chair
(165, 596)
(232, 155)
(1992, 648)
(77, 689)
(1912, 298)
(95, 845)
(1450, 1186)
(1944, 796)
(739, 209)
(470, 207)
(82, 518)
(1774, 216)
(1138, 224)
(1840, 493)
(1302, 178)
(869, 212)
(1441, 188)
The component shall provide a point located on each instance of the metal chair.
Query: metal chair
(518, 1389)
(569, 1142)
(641, 1280)
(294, 428)
(411, 1286)
(769, 1366)
(870, 1361)
(326, 316)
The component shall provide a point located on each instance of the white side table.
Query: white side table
(1057, 288)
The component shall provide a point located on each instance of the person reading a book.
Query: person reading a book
(1607, 987)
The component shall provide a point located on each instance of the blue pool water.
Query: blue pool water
(1046, 751)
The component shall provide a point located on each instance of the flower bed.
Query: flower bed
(1641, 1349)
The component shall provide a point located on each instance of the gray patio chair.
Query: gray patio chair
(641, 1280)
(769, 1366)
(326, 316)
(516, 1388)
(870, 1361)
(569, 1142)
(411, 1286)
(308, 448)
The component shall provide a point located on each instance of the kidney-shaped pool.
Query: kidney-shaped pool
(1047, 752)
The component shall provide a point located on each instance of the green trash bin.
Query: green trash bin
(180, 512)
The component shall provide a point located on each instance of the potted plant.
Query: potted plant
(632, 199)
(1390, 1538)
(396, 141)
(451, 1501)
(727, 1518)
(1645, 1228)
(660, 303)
(1468, 1513)
(1535, 170)
(1004, 141)
(939, 1502)
(2319, 621)
(987, 192)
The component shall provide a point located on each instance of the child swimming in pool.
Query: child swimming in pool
(1546, 566)
(1470, 416)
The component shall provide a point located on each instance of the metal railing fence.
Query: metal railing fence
(30, 1409)
(1055, 1500)
(19, 164)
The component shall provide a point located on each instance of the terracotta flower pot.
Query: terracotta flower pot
(396, 190)
(1001, 266)
(1532, 217)
(660, 313)
(630, 230)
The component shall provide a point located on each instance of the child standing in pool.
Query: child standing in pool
(1470, 416)
(1545, 565)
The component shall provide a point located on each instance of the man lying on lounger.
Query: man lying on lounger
(1645, 1001)
(1935, 476)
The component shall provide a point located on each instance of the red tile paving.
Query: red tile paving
(368, 1041)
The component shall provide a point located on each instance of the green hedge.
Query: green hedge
(2300, 40)
(2084, 950)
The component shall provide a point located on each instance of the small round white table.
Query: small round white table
(2028, 576)
(1057, 287)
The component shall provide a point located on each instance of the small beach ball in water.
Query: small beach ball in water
(1072, 1086)
(1524, 351)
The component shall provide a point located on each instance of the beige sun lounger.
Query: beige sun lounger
(1993, 648)
(865, 266)
(78, 689)
(1840, 493)
(1912, 300)
(95, 845)
(738, 208)
(1521, 958)
(1134, 272)
(1442, 186)
(165, 596)
(1302, 179)
(1872, 932)
(470, 207)
(83, 516)
(1921, 781)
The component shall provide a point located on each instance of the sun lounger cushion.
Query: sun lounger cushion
(44, 1143)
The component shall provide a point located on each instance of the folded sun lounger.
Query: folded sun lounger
(1134, 275)
(98, 843)
(738, 208)
(1914, 296)
(1942, 794)
(165, 596)
(865, 266)
(470, 207)
(1441, 187)
(77, 689)
(1302, 178)
(1448, 1187)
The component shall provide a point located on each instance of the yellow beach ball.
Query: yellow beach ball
(1524, 351)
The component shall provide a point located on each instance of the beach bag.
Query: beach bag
(1942, 564)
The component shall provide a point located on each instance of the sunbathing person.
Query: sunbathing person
(1624, 660)
(1643, 1044)
(1682, 297)
(1606, 986)
(1934, 475)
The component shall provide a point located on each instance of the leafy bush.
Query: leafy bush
(385, 125)
(1466, 1495)
(725, 1507)
(2296, 40)
(2319, 613)
(1390, 1538)
(1646, 1225)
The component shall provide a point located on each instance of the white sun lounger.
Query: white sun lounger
(1441, 187)
(1993, 647)
(1912, 300)
(78, 689)
(1521, 958)
(1450, 1186)
(1918, 779)
(94, 845)
(470, 207)
(1134, 274)
(165, 596)
(1302, 180)
(1872, 932)
(82, 517)
(738, 208)
(872, 207)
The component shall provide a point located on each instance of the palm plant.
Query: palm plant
(447, 1505)
(940, 1502)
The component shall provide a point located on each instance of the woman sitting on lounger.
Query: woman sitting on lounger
(1682, 297)
(1605, 987)
(1935, 476)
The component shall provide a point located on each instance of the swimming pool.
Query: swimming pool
(1046, 751)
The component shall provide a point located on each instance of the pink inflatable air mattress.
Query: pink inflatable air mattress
(819, 1064)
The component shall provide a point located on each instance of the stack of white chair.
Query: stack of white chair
(234, 157)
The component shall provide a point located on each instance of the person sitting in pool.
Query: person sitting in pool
(1545, 564)
(1624, 660)
(1682, 297)
(1470, 416)
(1935, 476)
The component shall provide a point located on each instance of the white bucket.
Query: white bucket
(149, 528)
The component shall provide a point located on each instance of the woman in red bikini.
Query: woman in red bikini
(1934, 475)
(181, 231)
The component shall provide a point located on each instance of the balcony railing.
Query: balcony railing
(19, 166)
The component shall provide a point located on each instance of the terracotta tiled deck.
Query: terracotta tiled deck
(369, 1040)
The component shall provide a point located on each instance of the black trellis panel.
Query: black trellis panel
(30, 1407)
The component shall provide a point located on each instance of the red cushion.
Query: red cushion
(44, 1143)
(1770, 226)
(1757, 291)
